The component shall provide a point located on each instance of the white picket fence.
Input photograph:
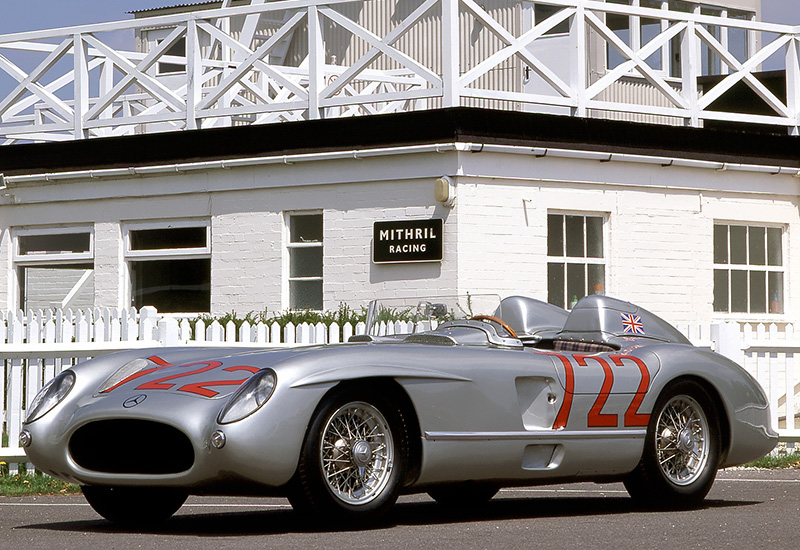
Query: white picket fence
(37, 345)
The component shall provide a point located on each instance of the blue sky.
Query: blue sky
(28, 15)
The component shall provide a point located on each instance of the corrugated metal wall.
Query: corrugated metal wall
(637, 91)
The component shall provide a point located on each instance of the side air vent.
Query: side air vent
(129, 446)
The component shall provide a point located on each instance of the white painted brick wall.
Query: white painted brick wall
(659, 244)
(245, 254)
(110, 273)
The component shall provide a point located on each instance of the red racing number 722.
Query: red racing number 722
(596, 417)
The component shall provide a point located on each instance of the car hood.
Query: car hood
(196, 375)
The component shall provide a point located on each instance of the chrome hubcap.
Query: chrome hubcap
(357, 453)
(682, 440)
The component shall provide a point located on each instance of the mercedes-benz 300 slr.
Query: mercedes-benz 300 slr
(441, 396)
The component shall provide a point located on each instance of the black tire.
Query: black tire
(354, 477)
(468, 494)
(134, 505)
(682, 449)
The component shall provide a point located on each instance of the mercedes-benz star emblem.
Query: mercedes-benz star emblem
(133, 401)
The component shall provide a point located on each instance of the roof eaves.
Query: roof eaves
(175, 6)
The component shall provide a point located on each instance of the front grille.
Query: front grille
(126, 446)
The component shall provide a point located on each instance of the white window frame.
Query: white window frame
(34, 259)
(129, 255)
(288, 245)
(161, 253)
(585, 260)
(43, 260)
(748, 267)
(156, 36)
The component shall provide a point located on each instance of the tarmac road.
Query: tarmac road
(747, 509)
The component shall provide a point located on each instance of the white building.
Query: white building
(240, 214)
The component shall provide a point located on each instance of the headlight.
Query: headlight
(125, 371)
(249, 398)
(50, 395)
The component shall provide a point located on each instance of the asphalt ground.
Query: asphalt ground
(747, 509)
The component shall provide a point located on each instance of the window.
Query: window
(178, 49)
(170, 266)
(543, 11)
(748, 269)
(575, 258)
(739, 39)
(637, 31)
(711, 61)
(305, 261)
(621, 26)
(55, 267)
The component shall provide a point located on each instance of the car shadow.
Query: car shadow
(410, 514)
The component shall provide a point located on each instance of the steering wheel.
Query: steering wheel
(497, 320)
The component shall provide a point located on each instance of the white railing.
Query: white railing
(36, 346)
(73, 83)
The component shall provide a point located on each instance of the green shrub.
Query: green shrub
(344, 314)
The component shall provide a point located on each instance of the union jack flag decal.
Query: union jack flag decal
(632, 324)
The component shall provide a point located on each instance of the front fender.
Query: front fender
(742, 398)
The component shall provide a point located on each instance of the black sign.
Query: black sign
(407, 241)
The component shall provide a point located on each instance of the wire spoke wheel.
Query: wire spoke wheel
(682, 440)
(681, 450)
(357, 453)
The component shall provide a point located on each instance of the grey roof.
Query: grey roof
(185, 5)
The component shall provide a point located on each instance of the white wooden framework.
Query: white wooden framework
(73, 83)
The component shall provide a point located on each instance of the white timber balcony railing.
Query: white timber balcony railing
(310, 59)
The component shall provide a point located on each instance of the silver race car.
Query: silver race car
(449, 396)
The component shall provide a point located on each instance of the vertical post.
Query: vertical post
(14, 386)
(81, 74)
(724, 40)
(451, 55)
(793, 83)
(194, 73)
(49, 338)
(106, 85)
(753, 41)
(33, 372)
(690, 70)
(148, 320)
(580, 68)
(316, 62)
(776, 361)
(168, 333)
(226, 54)
(635, 30)
(729, 341)
(789, 382)
(665, 50)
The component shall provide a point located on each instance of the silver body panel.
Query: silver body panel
(513, 414)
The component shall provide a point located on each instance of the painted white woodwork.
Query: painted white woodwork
(81, 86)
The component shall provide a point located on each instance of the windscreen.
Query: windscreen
(411, 315)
